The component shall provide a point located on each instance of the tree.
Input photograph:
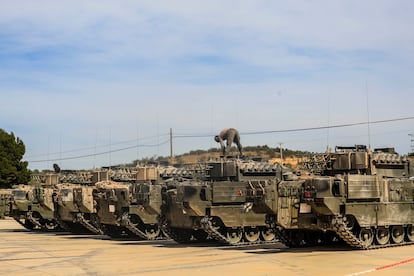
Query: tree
(12, 169)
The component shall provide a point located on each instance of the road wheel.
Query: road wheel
(251, 234)
(366, 236)
(382, 235)
(350, 222)
(267, 234)
(397, 234)
(51, 225)
(410, 233)
(234, 235)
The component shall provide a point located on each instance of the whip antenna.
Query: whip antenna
(368, 124)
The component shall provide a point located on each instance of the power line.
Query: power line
(326, 127)
(97, 146)
(100, 153)
(299, 129)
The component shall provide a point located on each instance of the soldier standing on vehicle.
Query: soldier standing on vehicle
(230, 135)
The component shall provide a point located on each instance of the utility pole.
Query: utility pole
(171, 146)
(412, 142)
(281, 151)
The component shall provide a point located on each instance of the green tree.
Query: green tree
(12, 169)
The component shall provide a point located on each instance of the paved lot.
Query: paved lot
(35, 253)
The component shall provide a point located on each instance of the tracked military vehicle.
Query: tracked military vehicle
(134, 209)
(76, 209)
(33, 207)
(143, 215)
(131, 210)
(75, 204)
(368, 204)
(222, 205)
(5, 201)
(112, 198)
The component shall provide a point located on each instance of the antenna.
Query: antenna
(327, 129)
(412, 142)
(48, 150)
(281, 151)
(211, 124)
(60, 148)
(137, 144)
(94, 149)
(158, 136)
(171, 146)
(110, 147)
(368, 125)
(237, 112)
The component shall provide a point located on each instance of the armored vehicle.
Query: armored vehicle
(112, 198)
(5, 201)
(133, 209)
(33, 207)
(222, 205)
(76, 208)
(75, 203)
(368, 204)
(143, 216)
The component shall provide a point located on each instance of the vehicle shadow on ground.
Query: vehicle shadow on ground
(309, 249)
(260, 248)
(251, 249)
(14, 230)
(120, 241)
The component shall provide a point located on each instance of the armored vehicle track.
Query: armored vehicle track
(371, 238)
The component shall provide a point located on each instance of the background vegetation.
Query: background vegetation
(12, 169)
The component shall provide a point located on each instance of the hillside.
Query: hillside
(290, 157)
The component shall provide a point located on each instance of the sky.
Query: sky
(94, 83)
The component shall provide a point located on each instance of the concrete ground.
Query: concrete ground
(37, 253)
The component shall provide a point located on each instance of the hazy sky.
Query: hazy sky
(84, 78)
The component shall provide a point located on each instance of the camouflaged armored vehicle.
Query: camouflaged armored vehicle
(76, 209)
(33, 207)
(223, 205)
(76, 204)
(5, 201)
(368, 204)
(112, 198)
(134, 209)
(143, 215)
